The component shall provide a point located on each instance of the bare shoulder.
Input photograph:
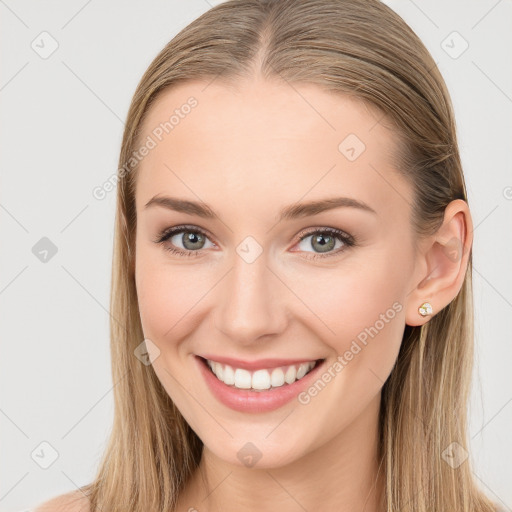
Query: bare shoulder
(70, 502)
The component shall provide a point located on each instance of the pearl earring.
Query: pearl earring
(425, 309)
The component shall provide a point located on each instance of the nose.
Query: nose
(252, 303)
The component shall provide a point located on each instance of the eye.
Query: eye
(192, 239)
(325, 240)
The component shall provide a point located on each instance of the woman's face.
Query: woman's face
(252, 283)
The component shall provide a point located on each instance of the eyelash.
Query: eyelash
(348, 240)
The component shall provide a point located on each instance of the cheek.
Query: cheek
(361, 307)
(168, 295)
(361, 312)
(159, 305)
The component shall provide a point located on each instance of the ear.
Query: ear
(442, 264)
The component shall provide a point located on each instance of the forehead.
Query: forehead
(257, 137)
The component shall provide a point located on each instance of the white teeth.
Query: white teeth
(242, 379)
(303, 368)
(218, 370)
(290, 375)
(229, 375)
(277, 377)
(260, 379)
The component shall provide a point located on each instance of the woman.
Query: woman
(292, 272)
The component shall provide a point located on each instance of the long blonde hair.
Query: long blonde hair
(359, 48)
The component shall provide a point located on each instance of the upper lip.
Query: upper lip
(258, 364)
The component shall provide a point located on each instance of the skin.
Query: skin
(248, 151)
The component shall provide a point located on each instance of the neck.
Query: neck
(342, 474)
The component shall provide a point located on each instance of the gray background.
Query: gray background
(61, 131)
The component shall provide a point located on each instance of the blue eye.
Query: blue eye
(194, 241)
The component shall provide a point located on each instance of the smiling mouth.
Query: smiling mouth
(263, 379)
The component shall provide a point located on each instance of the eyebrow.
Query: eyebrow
(293, 211)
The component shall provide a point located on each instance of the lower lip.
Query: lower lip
(245, 400)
